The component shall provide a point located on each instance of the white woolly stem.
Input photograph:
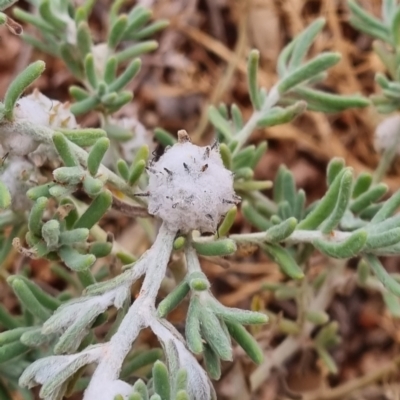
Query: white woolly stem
(300, 236)
(139, 316)
(192, 260)
(199, 387)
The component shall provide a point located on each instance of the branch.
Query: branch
(129, 209)
(244, 134)
(139, 316)
(341, 391)
(292, 344)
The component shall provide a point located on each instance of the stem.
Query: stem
(139, 316)
(300, 236)
(244, 134)
(192, 260)
(342, 391)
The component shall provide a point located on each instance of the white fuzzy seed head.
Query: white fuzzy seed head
(42, 110)
(387, 134)
(37, 109)
(189, 187)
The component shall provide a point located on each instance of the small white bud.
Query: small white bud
(50, 112)
(189, 188)
(18, 176)
(387, 134)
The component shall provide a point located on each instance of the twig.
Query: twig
(129, 209)
(347, 388)
(292, 344)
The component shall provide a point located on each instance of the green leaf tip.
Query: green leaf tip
(308, 71)
(222, 247)
(246, 341)
(20, 84)
(252, 69)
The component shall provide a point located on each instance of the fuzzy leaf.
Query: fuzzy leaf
(27, 298)
(285, 261)
(139, 361)
(192, 328)
(12, 350)
(219, 122)
(126, 76)
(388, 208)
(173, 299)
(117, 31)
(214, 335)
(345, 249)
(96, 155)
(164, 137)
(95, 211)
(69, 175)
(136, 172)
(325, 207)
(342, 202)
(83, 137)
(281, 231)
(222, 247)
(252, 80)
(35, 216)
(161, 380)
(246, 341)
(212, 362)
(19, 85)
(254, 217)
(368, 197)
(362, 184)
(279, 115)
(74, 260)
(308, 70)
(51, 233)
(387, 280)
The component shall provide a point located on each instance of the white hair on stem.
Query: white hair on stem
(201, 189)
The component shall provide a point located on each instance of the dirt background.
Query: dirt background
(202, 60)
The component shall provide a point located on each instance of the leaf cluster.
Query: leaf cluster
(385, 31)
(65, 33)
